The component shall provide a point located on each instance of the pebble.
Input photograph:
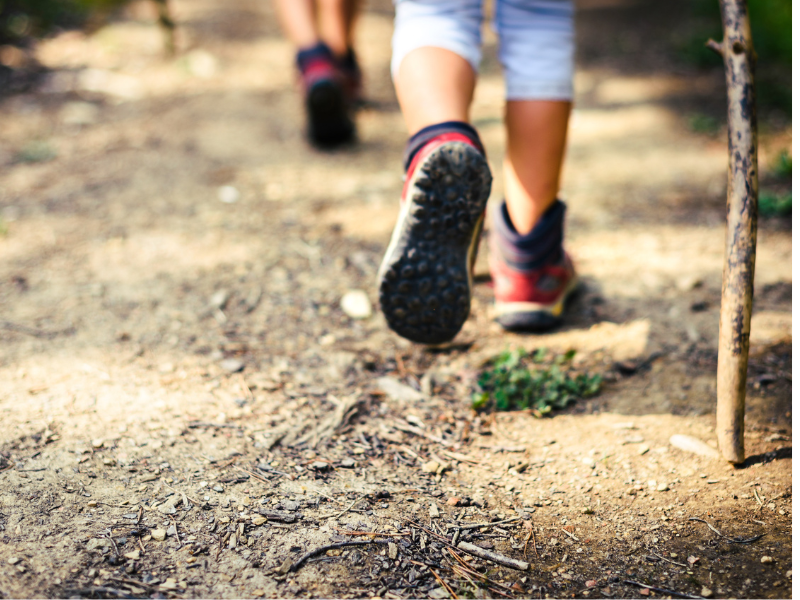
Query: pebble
(228, 194)
(96, 543)
(398, 391)
(218, 488)
(14, 560)
(98, 443)
(693, 445)
(319, 465)
(348, 463)
(453, 501)
(766, 560)
(662, 487)
(219, 299)
(392, 550)
(232, 365)
(159, 534)
(430, 467)
(259, 520)
(433, 511)
(356, 305)
(169, 584)
(132, 555)
(705, 592)
(290, 505)
(591, 583)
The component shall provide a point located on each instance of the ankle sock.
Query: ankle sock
(318, 52)
(417, 141)
(541, 246)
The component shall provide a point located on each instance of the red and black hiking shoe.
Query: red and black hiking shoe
(327, 100)
(533, 276)
(425, 278)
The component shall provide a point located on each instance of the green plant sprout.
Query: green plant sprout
(516, 380)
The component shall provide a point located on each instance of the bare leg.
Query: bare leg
(334, 24)
(434, 85)
(352, 9)
(537, 135)
(298, 20)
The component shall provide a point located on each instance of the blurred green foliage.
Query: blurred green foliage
(771, 24)
(20, 19)
(775, 205)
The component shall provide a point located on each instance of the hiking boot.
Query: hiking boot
(353, 79)
(327, 101)
(532, 274)
(425, 278)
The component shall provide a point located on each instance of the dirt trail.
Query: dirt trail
(170, 361)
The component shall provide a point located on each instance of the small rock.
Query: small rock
(430, 467)
(766, 560)
(172, 531)
(14, 560)
(453, 501)
(662, 487)
(159, 534)
(348, 463)
(644, 591)
(259, 520)
(219, 299)
(705, 592)
(285, 566)
(319, 465)
(132, 555)
(398, 391)
(433, 511)
(290, 505)
(97, 543)
(231, 365)
(692, 559)
(98, 443)
(228, 194)
(586, 510)
(392, 550)
(438, 593)
(591, 583)
(169, 584)
(692, 444)
(218, 488)
(643, 450)
(356, 305)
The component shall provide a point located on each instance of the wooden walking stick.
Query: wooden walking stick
(740, 242)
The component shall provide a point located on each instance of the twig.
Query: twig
(300, 561)
(111, 539)
(175, 525)
(253, 475)
(443, 584)
(715, 46)
(661, 590)
(758, 499)
(372, 533)
(479, 525)
(570, 535)
(531, 535)
(730, 539)
(181, 493)
(670, 561)
(356, 501)
(97, 589)
(32, 331)
(398, 424)
(198, 424)
(460, 457)
(469, 569)
(505, 561)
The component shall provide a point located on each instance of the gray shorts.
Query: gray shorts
(536, 40)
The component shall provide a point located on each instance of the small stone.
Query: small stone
(430, 467)
(392, 550)
(644, 591)
(132, 555)
(20, 568)
(789, 574)
(169, 584)
(643, 450)
(14, 560)
(259, 593)
(692, 559)
(290, 505)
(285, 566)
(591, 583)
(586, 510)
(172, 531)
(348, 463)
(232, 365)
(259, 520)
(453, 501)
(692, 444)
(662, 487)
(319, 465)
(97, 543)
(218, 488)
(766, 560)
(98, 443)
(398, 391)
(433, 511)
(705, 592)
(228, 194)
(438, 594)
(356, 305)
(159, 534)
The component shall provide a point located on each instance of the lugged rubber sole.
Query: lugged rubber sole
(425, 279)
(532, 317)
(329, 121)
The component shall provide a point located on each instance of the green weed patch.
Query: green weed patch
(517, 380)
